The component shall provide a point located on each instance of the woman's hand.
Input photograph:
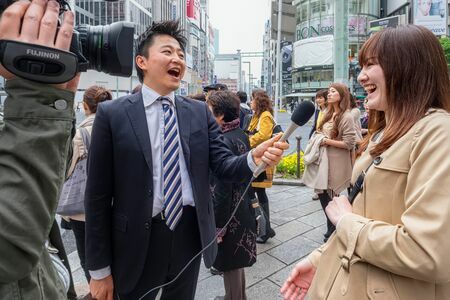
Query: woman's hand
(337, 208)
(299, 281)
(324, 142)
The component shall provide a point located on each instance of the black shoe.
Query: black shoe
(214, 271)
(263, 239)
(325, 239)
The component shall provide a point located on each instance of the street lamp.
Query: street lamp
(278, 60)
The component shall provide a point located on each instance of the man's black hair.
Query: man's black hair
(242, 96)
(171, 28)
(215, 87)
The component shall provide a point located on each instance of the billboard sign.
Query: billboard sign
(286, 60)
(380, 24)
(193, 11)
(357, 26)
(431, 14)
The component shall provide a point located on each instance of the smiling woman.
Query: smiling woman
(392, 243)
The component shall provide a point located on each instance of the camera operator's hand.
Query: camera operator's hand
(36, 22)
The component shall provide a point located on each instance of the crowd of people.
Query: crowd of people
(164, 178)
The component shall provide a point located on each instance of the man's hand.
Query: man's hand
(270, 151)
(337, 208)
(102, 289)
(36, 23)
(299, 281)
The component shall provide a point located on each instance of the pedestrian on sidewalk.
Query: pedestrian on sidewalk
(393, 242)
(92, 97)
(321, 106)
(260, 130)
(237, 240)
(245, 112)
(340, 139)
(148, 202)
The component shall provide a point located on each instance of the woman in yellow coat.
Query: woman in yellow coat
(393, 243)
(260, 130)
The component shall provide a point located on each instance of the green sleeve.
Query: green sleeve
(34, 145)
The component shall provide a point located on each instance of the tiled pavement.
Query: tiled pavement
(299, 224)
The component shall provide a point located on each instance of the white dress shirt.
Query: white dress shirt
(155, 123)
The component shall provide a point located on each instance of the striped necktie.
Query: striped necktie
(173, 203)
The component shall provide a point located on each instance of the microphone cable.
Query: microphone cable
(206, 247)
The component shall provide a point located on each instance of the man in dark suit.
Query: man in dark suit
(148, 204)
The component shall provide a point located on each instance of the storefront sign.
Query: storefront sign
(380, 24)
(357, 25)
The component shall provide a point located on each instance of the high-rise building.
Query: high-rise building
(216, 41)
(266, 65)
(270, 42)
(227, 70)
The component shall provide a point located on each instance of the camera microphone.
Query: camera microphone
(301, 115)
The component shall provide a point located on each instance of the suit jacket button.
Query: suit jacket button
(147, 225)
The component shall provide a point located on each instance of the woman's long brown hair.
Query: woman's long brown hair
(262, 101)
(415, 70)
(344, 105)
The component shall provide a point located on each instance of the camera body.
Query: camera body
(107, 49)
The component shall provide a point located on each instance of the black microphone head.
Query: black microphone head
(303, 112)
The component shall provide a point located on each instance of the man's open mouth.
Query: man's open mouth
(174, 72)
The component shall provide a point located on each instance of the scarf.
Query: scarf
(227, 126)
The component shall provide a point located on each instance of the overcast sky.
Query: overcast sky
(241, 26)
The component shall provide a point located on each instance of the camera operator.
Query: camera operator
(34, 145)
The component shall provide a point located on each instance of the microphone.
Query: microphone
(304, 111)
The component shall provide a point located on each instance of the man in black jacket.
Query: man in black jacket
(148, 202)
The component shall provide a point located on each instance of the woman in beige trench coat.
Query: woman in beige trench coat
(393, 243)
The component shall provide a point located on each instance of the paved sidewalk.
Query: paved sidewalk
(299, 224)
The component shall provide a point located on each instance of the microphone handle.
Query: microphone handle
(262, 166)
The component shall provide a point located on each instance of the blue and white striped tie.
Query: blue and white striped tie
(173, 203)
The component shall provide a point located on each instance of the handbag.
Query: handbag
(71, 200)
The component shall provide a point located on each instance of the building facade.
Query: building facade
(227, 70)
(269, 64)
(313, 63)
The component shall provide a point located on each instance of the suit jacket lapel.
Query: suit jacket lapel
(136, 114)
(184, 125)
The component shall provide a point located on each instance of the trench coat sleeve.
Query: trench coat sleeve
(34, 145)
(347, 127)
(419, 247)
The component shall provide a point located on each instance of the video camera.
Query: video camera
(107, 49)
